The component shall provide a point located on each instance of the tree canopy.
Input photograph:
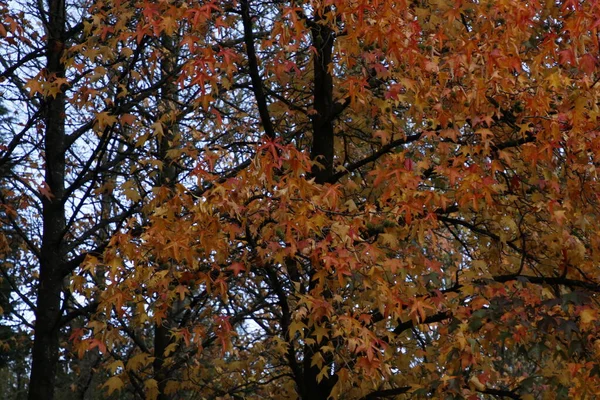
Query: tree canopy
(303, 199)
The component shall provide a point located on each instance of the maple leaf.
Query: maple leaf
(297, 327)
(93, 343)
(418, 309)
(181, 291)
(127, 119)
(588, 316)
(105, 120)
(114, 366)
(320, 333)
(138, 361)
(237, 268)
(377, 189)
(45, 191)
(113, 384)
(35, 86)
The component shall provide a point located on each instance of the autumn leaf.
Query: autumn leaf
(237, 268)
(113, 384)
(588, 316)
(257, 199)
(93, 343)
(45, 191)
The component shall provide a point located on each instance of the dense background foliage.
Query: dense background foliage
(353, 199)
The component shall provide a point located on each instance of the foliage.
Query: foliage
(328, 199)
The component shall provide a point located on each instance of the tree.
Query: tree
(413, 219)
(368, 199)
(71, 146)
(14, 341)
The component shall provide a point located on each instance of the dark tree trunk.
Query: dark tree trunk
(167, 177)
(162, 338)
(322, 144)
(48, 308)
(322, 151)
(315, 389)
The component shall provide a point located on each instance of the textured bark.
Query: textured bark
(48, 310)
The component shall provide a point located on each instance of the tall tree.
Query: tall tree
(387, 198)
(73, 92)
(341, 199)
(14, 340)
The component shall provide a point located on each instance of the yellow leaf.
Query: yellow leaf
(588, 315)
(34, 86)
(113, 384)
(475, 383)
(317, 359)
(105, 119)
(336, 391)
(138, 361)
(297, 326)
(389, 239)
(351, 205)
(170, 349)
(172, 387)
(130, 191)
(112, 367)
(323, 374)
(158, 129)
(320, 332)
(151, 389)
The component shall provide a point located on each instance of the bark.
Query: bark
(257, 85)
(48, 310)
(162, 338)
(315, 389)
(85, 374)
(166, 177)
(322, 150)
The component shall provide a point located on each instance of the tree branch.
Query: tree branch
(375, 156)
(257, 88)
(439, 317)
(379, 394)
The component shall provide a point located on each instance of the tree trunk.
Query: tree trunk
(48, 310)
(322, 150)
(315, 389)
(166, 177)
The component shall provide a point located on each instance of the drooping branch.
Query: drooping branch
(79, 312)
(15, 287)
(286, 319)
